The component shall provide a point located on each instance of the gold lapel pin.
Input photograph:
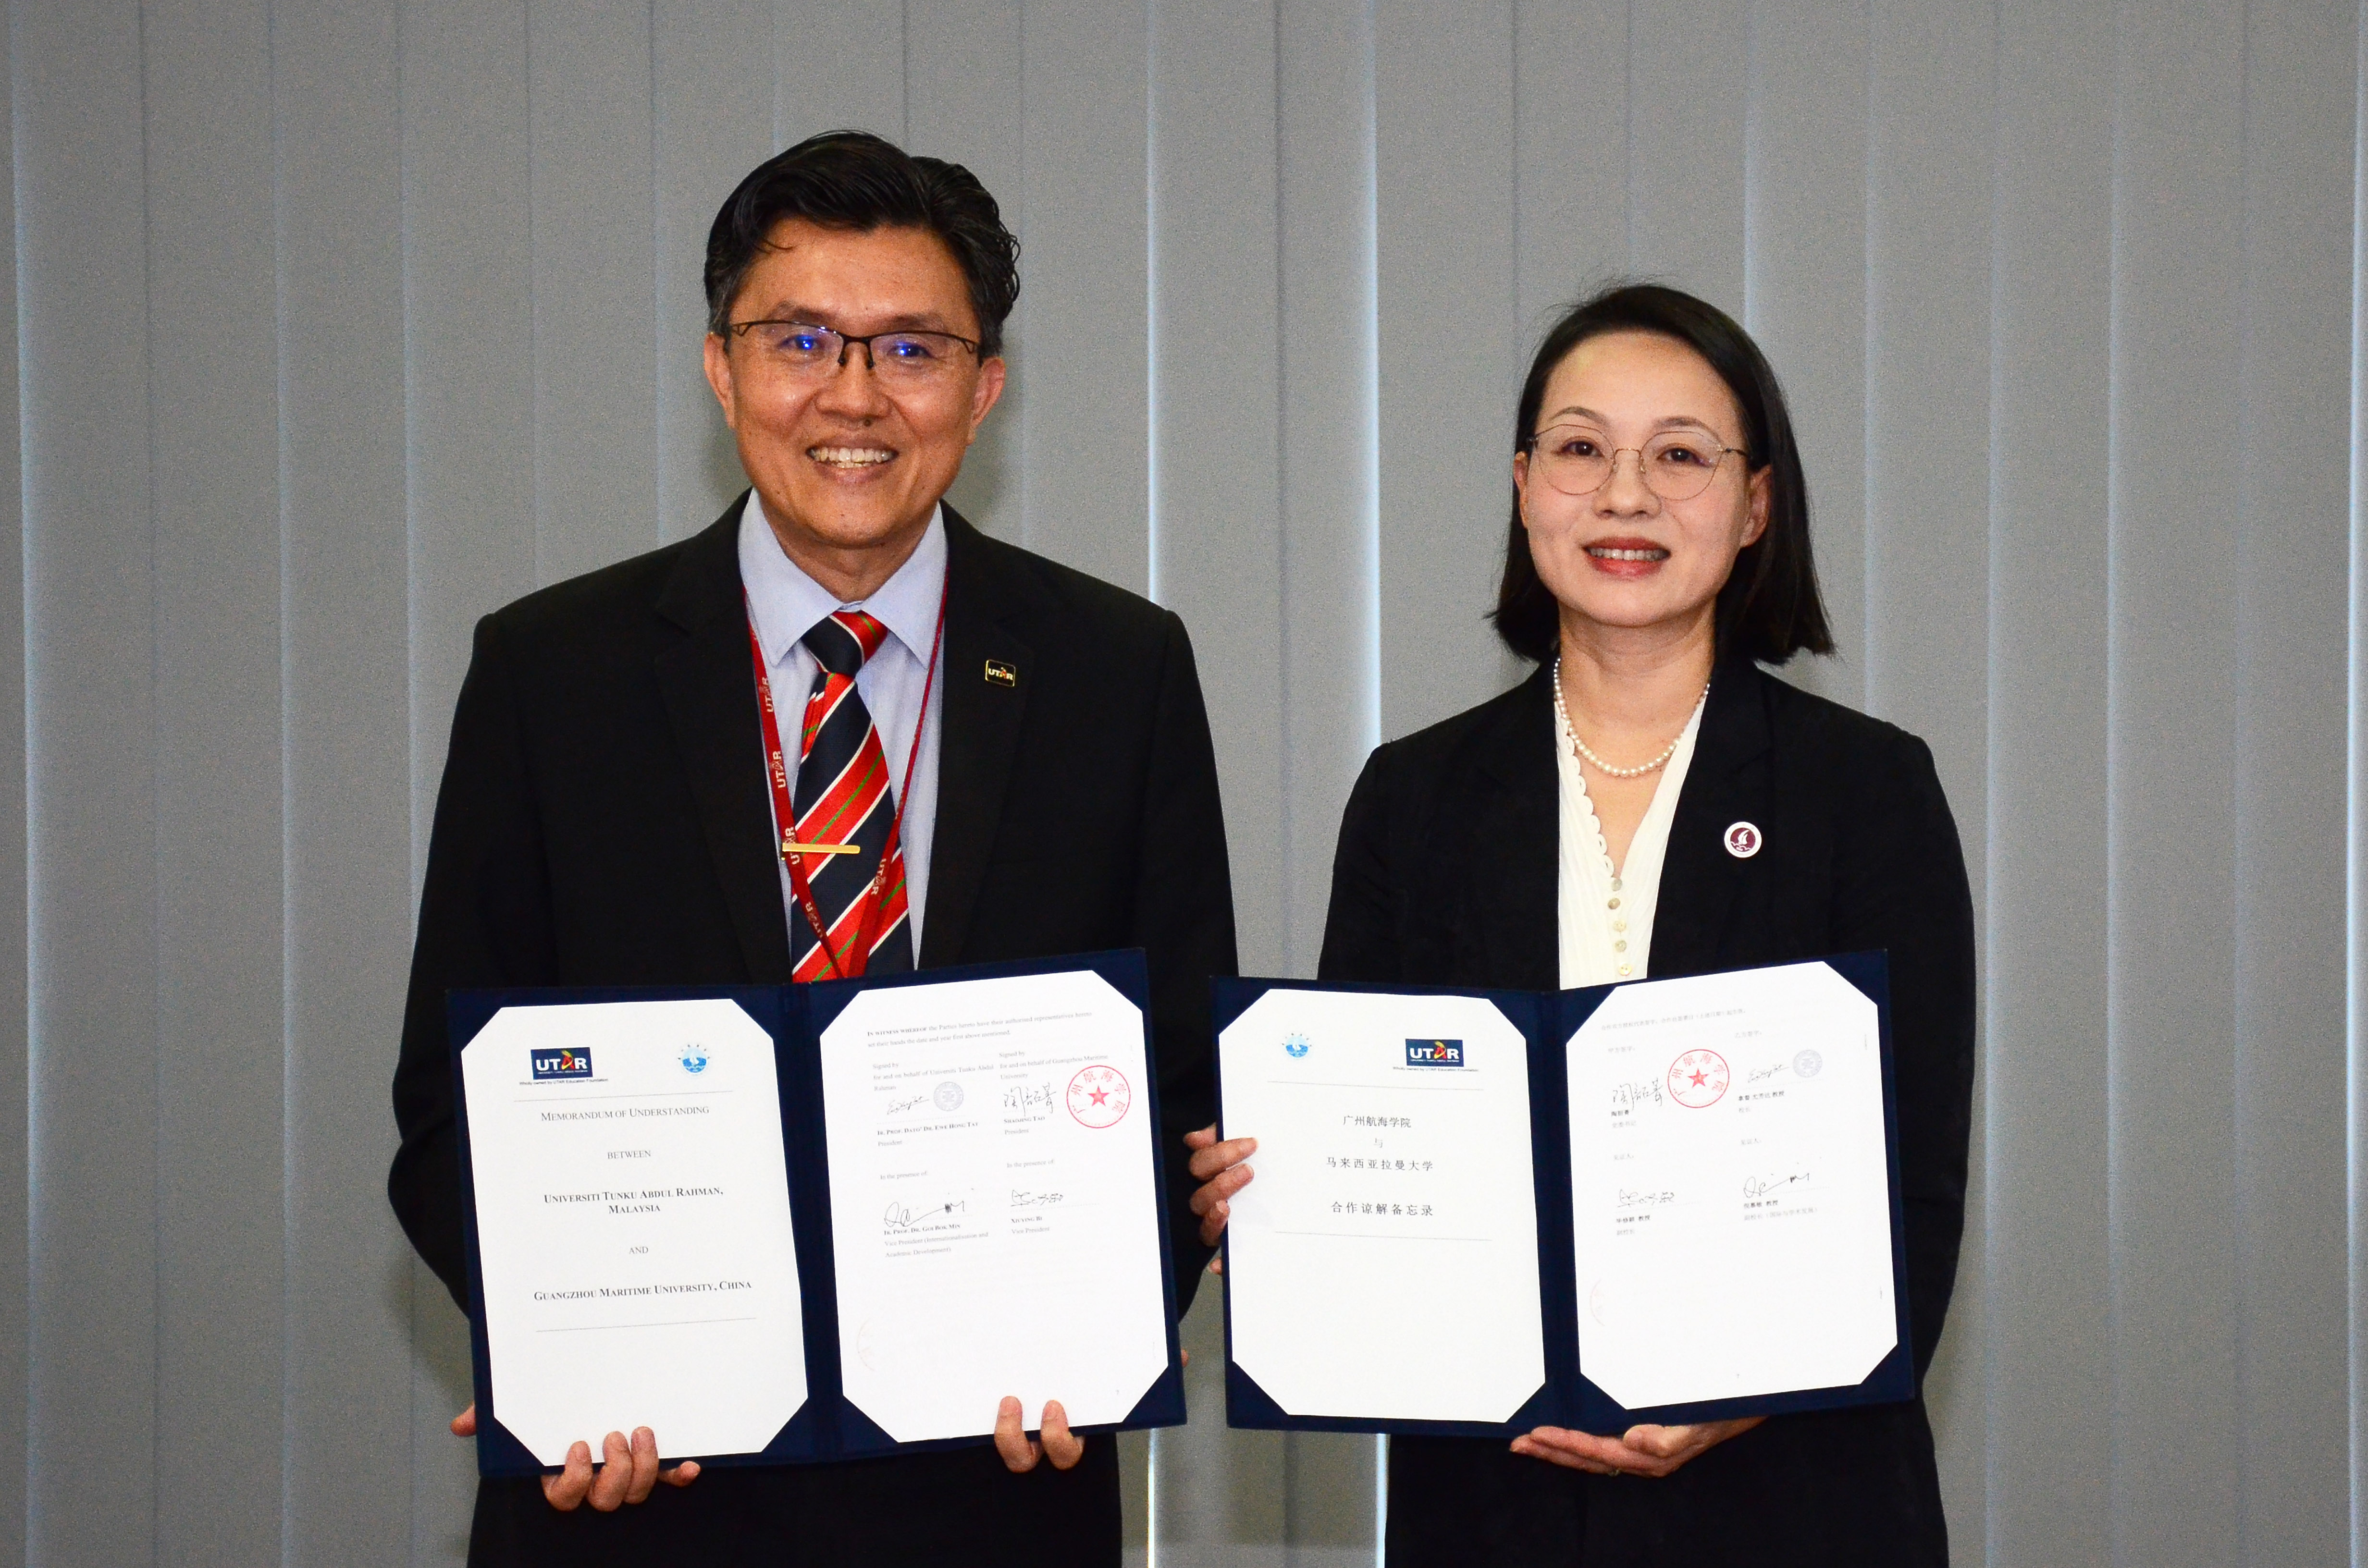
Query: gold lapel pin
(1002, 673)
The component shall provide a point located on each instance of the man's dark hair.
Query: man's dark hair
(1769, 610)
(852, 179)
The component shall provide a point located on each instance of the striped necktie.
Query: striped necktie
(843, 797)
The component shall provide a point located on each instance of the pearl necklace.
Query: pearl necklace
(1563, 713)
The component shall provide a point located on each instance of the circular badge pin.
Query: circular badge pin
(1099, 1096)
(1743, 840)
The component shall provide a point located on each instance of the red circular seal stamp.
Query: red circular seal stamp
(1698, 1079)
(1099, 1096)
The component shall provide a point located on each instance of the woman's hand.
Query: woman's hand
(1218, 1169)
(1020, 1451)
(1640, 1450)
(629, 1469)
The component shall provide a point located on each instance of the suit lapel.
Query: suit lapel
(706, 681)
(979, 741)
(1511, 836)
(1699, 878)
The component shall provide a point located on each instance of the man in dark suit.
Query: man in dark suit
(1017, 755)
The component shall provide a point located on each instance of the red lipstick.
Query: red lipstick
(1625, 557)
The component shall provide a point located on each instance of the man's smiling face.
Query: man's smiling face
(849, 464)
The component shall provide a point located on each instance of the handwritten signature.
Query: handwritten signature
(1028, 1102)
(896, 1108)
(1628, 1096)
(1632, 1198)
(904, 1217)
(1756, 1187)
(1036, 1200)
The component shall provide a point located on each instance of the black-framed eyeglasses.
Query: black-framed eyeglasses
(808, 350)
(1676, 465)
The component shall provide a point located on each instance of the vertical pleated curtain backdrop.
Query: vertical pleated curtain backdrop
(340, 323)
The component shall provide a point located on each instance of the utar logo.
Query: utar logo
(562, 1064)
(1434, 1053)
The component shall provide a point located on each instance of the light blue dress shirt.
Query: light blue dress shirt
(785, 604)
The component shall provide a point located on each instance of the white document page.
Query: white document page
(633, 1230)
(1730, 1190)
(994, 1210)
(1383, 1264)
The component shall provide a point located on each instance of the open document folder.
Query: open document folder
(1668, 1200)
(801, 1222)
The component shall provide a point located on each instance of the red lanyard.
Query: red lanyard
(785, 814)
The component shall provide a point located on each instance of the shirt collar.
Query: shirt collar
(785, 602)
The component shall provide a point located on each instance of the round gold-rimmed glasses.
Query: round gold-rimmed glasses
(1676, 465)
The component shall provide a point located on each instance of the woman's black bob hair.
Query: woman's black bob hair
(1769, 610)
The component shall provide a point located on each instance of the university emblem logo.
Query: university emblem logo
(561, 1063)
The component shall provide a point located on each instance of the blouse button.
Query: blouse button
(1614, 902)
(1623, 969)
(1620, 925)
(1615, 884)
(1621, 946)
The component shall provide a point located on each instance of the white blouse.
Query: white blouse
(1606, 920)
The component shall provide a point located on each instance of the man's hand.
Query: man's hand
(1218, 1169)
(1020, 1452)
(1640, 1450)
(628, 1471)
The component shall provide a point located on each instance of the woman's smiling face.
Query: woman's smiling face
(1623, 555)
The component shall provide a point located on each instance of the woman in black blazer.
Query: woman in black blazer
(1659, 553)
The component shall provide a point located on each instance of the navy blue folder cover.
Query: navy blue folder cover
(827, 1426)
(1568, 1398)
